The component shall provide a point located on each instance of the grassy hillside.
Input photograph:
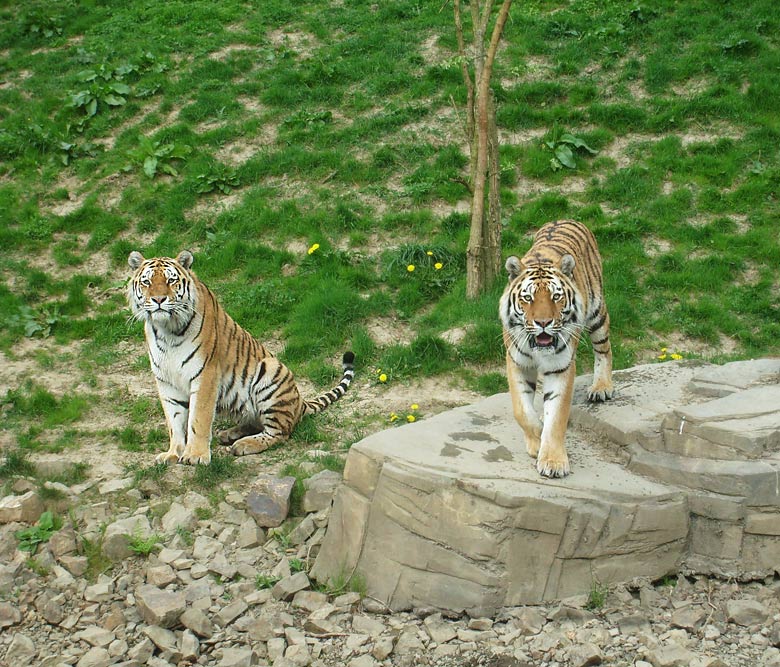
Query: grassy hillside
(248, 132)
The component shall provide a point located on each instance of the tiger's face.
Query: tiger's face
(160, 290)
(538, 305)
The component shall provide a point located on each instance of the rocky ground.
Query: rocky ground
(223, 589)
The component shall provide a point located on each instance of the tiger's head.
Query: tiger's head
(539, 305)
(161, 289)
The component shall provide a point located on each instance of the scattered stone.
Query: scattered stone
(746, 612)
(268, 500)
(95, 657)
(238, 657)
(9, 615)
(286, 588)
(231, 612)
(163, 639)
(689, 618)
(116, 540)
(159, 607)
(585, 655)
(320, 489)
(178, 516)
(116, 485)
(198, 622)
(439, 630)
(26, 508)
(21, 650)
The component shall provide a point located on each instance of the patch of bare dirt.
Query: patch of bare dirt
(301, 43)
(237, 152)
(390, 331)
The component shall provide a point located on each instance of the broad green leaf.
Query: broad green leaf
(150, 166)
(570, 139)
(565, 156)
(92, 107)
(114, 100)
(121, 88)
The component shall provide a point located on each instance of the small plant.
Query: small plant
(156, 157)
(30, 538)
(36, 566)
(97, 562)
(563, 148)
(17, 464)
(297, 565)
(346, 583)
(185, 535)
(218, 177)
(143, 546)
(105, 88)
(204, 513)
(263, 581)
(597, 596)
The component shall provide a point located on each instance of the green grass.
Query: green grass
(250, 133)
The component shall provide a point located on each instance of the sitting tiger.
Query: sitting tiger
(554, 292)
(204, 362)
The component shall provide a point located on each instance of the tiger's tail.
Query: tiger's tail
(318, 404)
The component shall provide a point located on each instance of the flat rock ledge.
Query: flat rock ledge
(680, 472)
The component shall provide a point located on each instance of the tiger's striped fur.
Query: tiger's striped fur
(554, 293)
(205, 363)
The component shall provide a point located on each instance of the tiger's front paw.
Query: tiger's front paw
(193, 458)
(166, 458)
(251, 444)
(600, 392)
(532, 446)
(553, 466)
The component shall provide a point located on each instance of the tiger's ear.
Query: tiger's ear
(185, 258)
(567, 265)
(514, 267)
(135, 259)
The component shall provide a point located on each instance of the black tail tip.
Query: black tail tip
(349, 358)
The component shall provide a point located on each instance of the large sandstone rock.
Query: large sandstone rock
(680, 469)
(450, 512)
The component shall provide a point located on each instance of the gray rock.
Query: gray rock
(250, 534)
(9, 615)
(237, 657)
(206, 547)
(160, 575)
(76, 565)
(746, 612)
(320, 489)
(689, 618)
(670, 655)
(286, 588)
(116, 540)
(364, 660)
(189, 647)
(439, 630)
(198, 622)
(303, 531)
(95, 657)
(62, 543)
(585, 655)
(178, 516)
(159, 607)
(96, 636)
(102, 591)
(268, 500)
(163, 639)
(142, 651)
(21, 650)
(231, 612)
(26, 508)
(309, 600)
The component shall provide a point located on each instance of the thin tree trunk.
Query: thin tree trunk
(483, 256)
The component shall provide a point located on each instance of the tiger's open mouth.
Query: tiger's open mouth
(544, 340)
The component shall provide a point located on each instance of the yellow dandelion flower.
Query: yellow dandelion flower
(410, 268)
(662, 357)
(663, 350)
(438, 265)
(411, 418)
(415, 406)
(676, 356)
(313, 248)
(382, 377)
(393, 417)
(429, 253)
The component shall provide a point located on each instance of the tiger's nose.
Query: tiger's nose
(159, 300)
(543, 323)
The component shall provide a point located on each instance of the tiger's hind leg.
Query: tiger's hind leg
(256, 443)
(229, 435)
(602, 388)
